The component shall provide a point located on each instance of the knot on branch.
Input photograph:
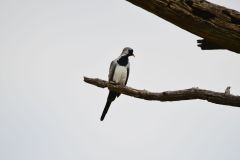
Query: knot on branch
(207, 45)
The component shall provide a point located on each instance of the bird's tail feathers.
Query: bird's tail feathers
(106, 109)
(111, 97)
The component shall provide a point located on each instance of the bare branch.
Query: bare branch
(219, 26)
(179, 95)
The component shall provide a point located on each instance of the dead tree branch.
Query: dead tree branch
(219, 26)
(179, 95)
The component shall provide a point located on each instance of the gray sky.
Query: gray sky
(47, 112)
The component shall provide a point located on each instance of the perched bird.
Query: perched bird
(227, 90)
(118, 73)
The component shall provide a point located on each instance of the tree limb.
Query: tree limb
(179, 95)
(219, 26)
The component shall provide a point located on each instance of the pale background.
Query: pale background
(47, 112)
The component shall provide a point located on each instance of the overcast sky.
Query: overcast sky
(47, 112)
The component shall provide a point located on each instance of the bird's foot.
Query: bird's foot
(112, 82)
(122, 85)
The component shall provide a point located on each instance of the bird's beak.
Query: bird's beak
(131, 55)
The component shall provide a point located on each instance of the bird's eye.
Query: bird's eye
(130, 51)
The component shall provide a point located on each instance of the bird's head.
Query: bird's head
(127, 51)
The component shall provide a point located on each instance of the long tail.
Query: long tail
(111, 97)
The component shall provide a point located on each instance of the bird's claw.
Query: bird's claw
(112, 82)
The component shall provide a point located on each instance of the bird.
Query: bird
(227, 90)
(118, 74)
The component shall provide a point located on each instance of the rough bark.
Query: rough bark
(219, 26)
(179, 95)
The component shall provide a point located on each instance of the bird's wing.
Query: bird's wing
(112, 70)
(128, 70)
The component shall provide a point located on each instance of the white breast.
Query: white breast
(120, 75)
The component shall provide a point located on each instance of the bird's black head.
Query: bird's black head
(127, 51)
(130, 52)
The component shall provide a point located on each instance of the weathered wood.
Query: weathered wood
(179, 95)
(218, 25)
